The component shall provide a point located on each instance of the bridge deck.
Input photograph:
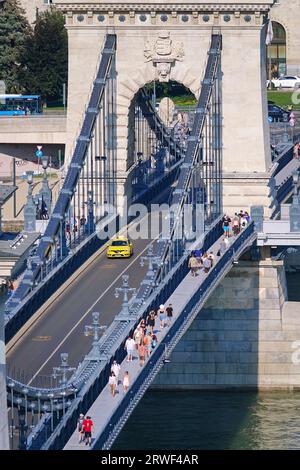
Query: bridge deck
(103, 408)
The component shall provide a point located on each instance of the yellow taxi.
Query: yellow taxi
(120, 247)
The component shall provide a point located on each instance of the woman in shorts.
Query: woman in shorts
(151, 320)
(112, 383)
(161, 315)
(142, 353)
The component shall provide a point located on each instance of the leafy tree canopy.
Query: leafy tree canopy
(14, 30)
(45, 56)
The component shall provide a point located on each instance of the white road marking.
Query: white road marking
(86, 313)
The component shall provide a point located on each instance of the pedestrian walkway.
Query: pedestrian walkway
(105, 405)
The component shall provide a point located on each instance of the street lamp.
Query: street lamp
(29, 207)
(90, 202)
(95, 329)
(45, 193)
(22, 429)
(125, 313)
(63, 369)
(295, 183)
(295, 206)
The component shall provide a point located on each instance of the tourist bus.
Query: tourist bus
(20, 105)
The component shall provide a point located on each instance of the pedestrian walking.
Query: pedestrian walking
(146, 340)
(142, 353)
(198, 255)
(161, 315)
(169, 311)
(244, 222)
(154, 341)
(151, 320)
(193, 265)
(112, 383)
(143, 326)
(211, 257)
(116, 369)
(149, 343)
(224, 245)
(236, 224)
(80, 428)
(138, 336)
(206, 263)
(126, 381)
(226, 225)
(130, 347)
(88, 429)
(296, 150)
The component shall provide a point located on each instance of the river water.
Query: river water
(216, 420)
(213, 421)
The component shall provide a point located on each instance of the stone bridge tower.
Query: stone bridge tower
(169, 41)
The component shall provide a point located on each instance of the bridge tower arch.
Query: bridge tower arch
(170, 41)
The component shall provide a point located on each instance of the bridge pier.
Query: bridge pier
(245, 336)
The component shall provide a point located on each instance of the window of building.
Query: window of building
(277, 52)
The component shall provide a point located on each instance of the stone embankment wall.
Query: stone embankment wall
(245, 337)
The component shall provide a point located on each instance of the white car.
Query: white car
(288, 81)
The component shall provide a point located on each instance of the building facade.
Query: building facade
(32, 6)
(284, 52)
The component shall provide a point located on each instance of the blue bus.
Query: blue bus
(20, 105)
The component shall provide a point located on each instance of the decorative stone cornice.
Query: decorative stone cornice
(163, 7)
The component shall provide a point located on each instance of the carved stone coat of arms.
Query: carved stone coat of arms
(163, 52)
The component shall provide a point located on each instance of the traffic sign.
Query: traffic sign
(270, 119)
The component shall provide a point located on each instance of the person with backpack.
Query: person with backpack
(236, 224)
(80, 428)
(88, 428)
(154, 341)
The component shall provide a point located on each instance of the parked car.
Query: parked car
(277, 114)
(287, 81)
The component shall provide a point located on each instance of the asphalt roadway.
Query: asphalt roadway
(60, 329)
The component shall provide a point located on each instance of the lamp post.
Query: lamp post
(151, 260)
(29, 207)
(295, 183)
(45, 192)
(125, 289)
(22, 429)
(95, 329)
(63, 369)
(90, 227)
(295, 207)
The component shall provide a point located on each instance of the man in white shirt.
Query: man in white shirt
(116, 369)
(129, 347)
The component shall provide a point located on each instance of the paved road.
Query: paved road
(60, 328)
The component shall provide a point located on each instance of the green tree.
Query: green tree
(14, 30)
(45, 57)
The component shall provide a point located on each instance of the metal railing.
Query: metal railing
(177, 330)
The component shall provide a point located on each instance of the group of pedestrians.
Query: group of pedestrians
(199, 261)
(144, 339)
(114, 379)
(85, 428)
(235, 224)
